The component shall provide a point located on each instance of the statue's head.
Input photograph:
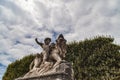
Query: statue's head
(47, 41)
(61, 36)
(52, 45)
(60, 39)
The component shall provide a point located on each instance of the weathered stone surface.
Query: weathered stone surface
(56, 76)
(61, 72)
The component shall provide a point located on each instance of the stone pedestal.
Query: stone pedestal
(57, 76)
(61, 72)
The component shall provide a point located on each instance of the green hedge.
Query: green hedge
(18, 68)
(92, 59)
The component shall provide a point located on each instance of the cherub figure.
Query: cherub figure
(45, 47)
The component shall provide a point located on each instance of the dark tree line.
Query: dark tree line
(92, 59)
(18, 68)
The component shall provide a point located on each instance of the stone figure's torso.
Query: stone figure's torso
(45, 48)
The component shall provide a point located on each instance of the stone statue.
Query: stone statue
(51, 60)
(51, 56)
(53, 52)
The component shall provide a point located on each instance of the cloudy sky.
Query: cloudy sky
(21, 21)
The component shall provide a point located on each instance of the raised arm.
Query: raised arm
(38, 42)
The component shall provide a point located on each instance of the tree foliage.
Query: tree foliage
(18, 68)
(95, 59)
(92, 59)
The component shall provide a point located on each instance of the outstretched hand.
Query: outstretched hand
(38, 42)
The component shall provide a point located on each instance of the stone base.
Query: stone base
(63, 71)
(56, 76)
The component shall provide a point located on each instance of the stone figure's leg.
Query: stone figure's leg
(57, 58)
(49, 65)
(41, 67)
(44, 69)
(41, 71)
(45, 55)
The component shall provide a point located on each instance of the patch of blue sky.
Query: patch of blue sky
(28, 36)
(3, 53)
(55, 34)
(2, 70)
(11, 59)
(17, 42)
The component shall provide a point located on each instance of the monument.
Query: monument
(50, 63)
